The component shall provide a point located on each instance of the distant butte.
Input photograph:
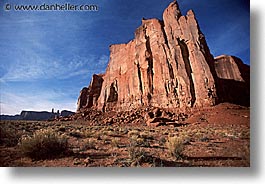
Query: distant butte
(167, 65)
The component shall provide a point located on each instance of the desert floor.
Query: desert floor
(215, 137)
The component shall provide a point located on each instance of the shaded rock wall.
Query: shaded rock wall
(233, 80)
(88, 96)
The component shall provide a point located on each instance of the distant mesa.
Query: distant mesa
(167, 65)
(37, 116)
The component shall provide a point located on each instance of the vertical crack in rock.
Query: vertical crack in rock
(170, 69)
(113, 95)
(149, 58)
(185, 54)
(171, 73)
(164, 32)
(140, 78)
(166, 89)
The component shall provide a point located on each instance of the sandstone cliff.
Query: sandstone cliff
(233, 80)
(168, 65)
(89, 96)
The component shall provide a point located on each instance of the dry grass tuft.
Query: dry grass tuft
(44, 144)
(175, 146)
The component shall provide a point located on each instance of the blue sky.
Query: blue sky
(48, 56)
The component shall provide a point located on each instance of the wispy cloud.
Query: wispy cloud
(33, 67)
(103, 60)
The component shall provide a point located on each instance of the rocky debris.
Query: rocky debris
(160, 117)
(77, 161)
(154, 122)
(150, 116)
(92, 116)
(87, 161)
(233, 80)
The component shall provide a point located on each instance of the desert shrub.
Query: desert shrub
(133, 140)
(146, 135)
(44, 144)
(245, 134)
(162, 140)
(136, 155)
(105, 138)
(175, 146)
(62, 129)
(133, 132)
(9, 136)
(76, 134)
(115, 142)
(123, 130)
(88, 133)
(142, 142)
(89, 144)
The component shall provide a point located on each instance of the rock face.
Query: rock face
(233, 80)
(167, 65)
(65, 113)
(89, 96)
(231, 68)
(38, 116)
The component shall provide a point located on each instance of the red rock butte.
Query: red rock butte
(167, 65)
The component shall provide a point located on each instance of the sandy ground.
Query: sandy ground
(215, 137)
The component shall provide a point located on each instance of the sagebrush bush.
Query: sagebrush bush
(89, 144)
(175, 146)
(133, 132)
(115, 142)
(136, 155)
(44, 144)
(146, 135)
(9, 136)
